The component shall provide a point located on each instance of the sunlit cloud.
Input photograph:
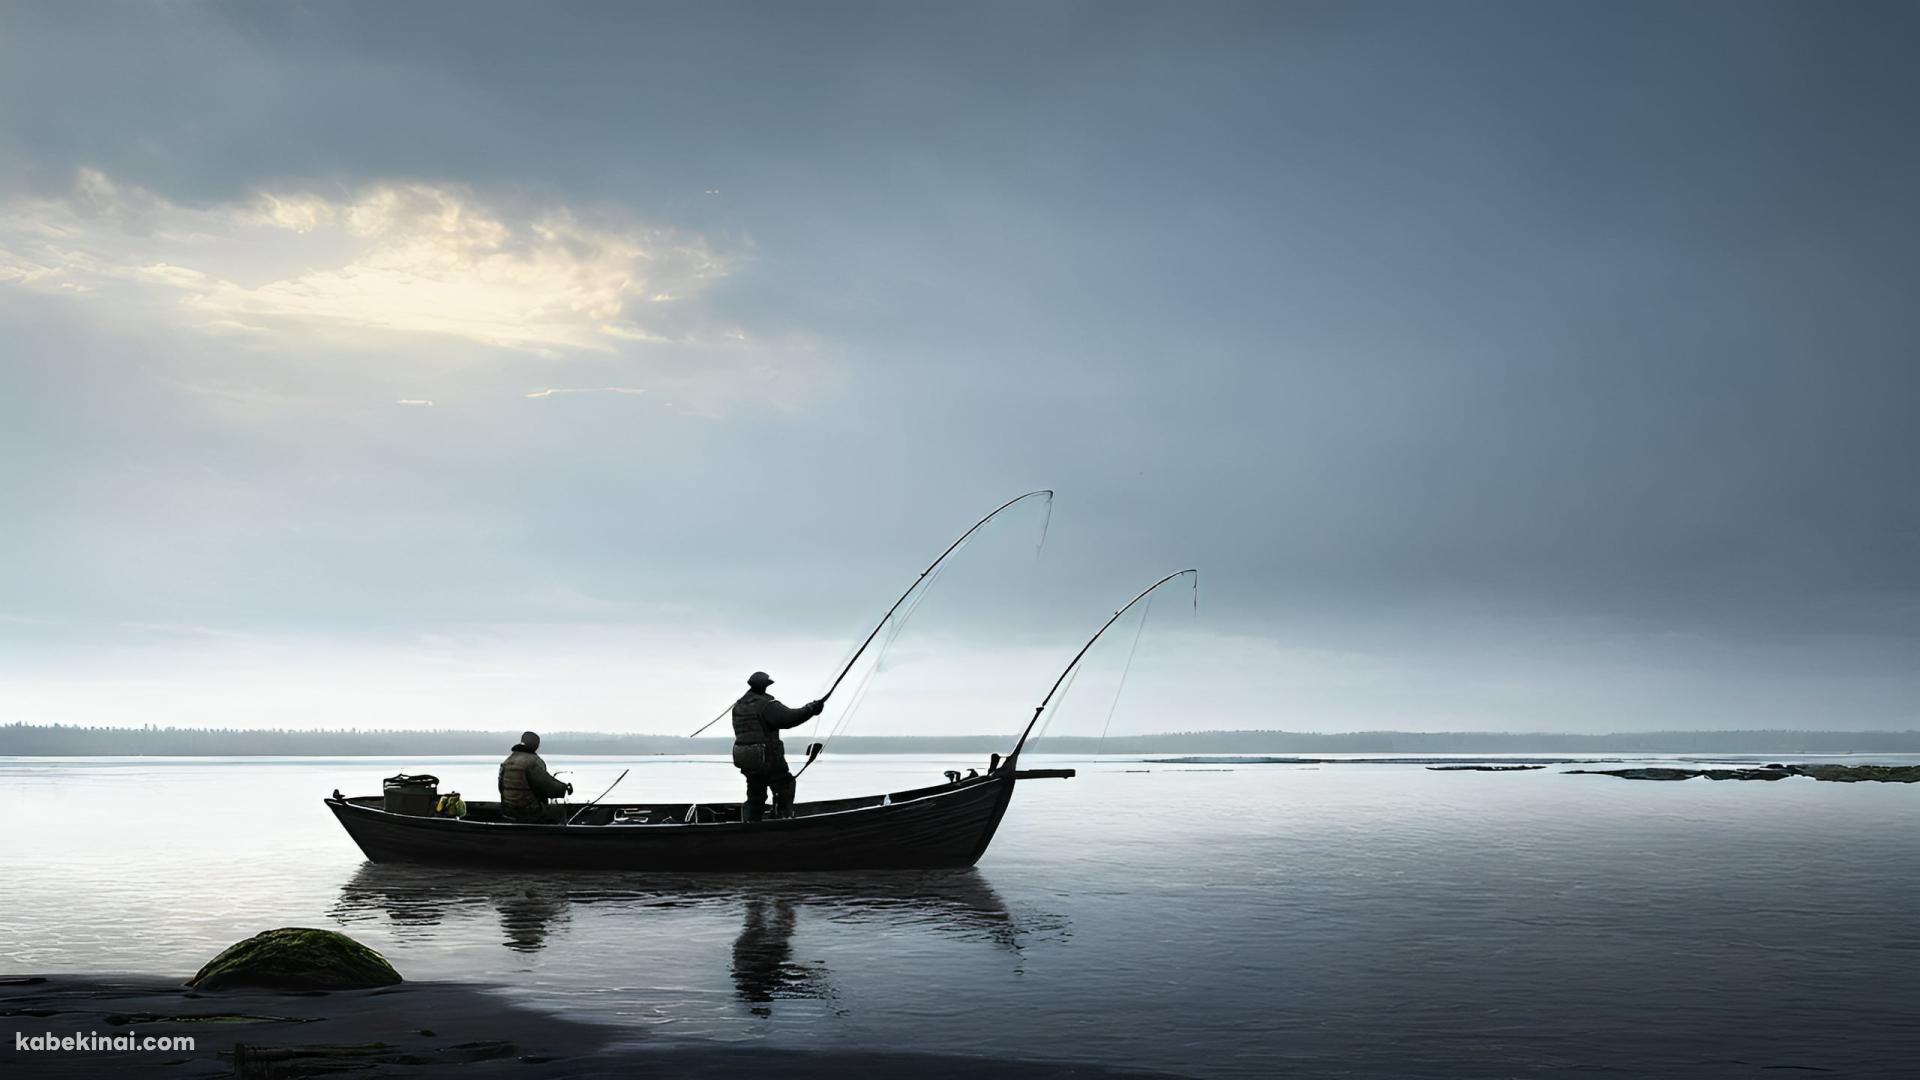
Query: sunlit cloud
(397, 257)
(552, 390)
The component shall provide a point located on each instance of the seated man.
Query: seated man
(526, 785)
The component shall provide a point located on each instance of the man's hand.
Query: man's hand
(818, 706)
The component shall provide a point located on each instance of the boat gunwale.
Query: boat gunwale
(889, 800)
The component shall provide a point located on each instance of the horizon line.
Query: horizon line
(148, 728)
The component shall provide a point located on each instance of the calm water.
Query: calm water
(1335, 920)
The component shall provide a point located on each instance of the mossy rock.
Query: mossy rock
(1853, 774)
(297, 958)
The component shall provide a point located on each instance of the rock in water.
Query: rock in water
(1844, 774)
(296, 958)
(1642, 774)
(1853, 774)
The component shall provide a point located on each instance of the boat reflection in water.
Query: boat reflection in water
(413, 899)
(955, 905)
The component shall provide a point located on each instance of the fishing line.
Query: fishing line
(917, 582)
(935, 565)
(896, 624)
(1054, 713)
(1073, 664)
(859, 695)
(1124, 668)
(865, 682)
(1145, 614)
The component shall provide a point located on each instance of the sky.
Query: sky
(1530, 366)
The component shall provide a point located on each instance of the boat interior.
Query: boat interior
(624, 813)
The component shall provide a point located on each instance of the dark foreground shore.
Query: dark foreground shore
(411, 1030)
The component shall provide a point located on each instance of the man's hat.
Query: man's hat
(529, 740)
(759, 678)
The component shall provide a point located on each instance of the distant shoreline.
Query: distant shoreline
(56, 740)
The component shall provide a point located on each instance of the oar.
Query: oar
(602, 795)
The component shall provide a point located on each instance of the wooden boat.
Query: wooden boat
(948, 825)
(945, 826)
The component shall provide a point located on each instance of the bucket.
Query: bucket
(414, 795)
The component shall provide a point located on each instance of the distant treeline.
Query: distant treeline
(60, 740)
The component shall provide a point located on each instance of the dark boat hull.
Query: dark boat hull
(947, 826)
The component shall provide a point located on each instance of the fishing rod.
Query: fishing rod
(710, 723)
(616, 783)
(931, 567)
(813, 749)
(1071, 664)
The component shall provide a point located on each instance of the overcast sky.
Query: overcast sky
(1534, 366)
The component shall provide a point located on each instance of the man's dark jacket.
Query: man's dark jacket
(525, 783)
(758, 719)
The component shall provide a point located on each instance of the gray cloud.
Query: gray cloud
(1499, 365)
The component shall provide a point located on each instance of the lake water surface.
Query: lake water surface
(1358, 920)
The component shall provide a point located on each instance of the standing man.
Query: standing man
(758, 719)
(526, 785)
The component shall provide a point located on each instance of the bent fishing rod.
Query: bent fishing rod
(1077, 657)
(931, 567)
